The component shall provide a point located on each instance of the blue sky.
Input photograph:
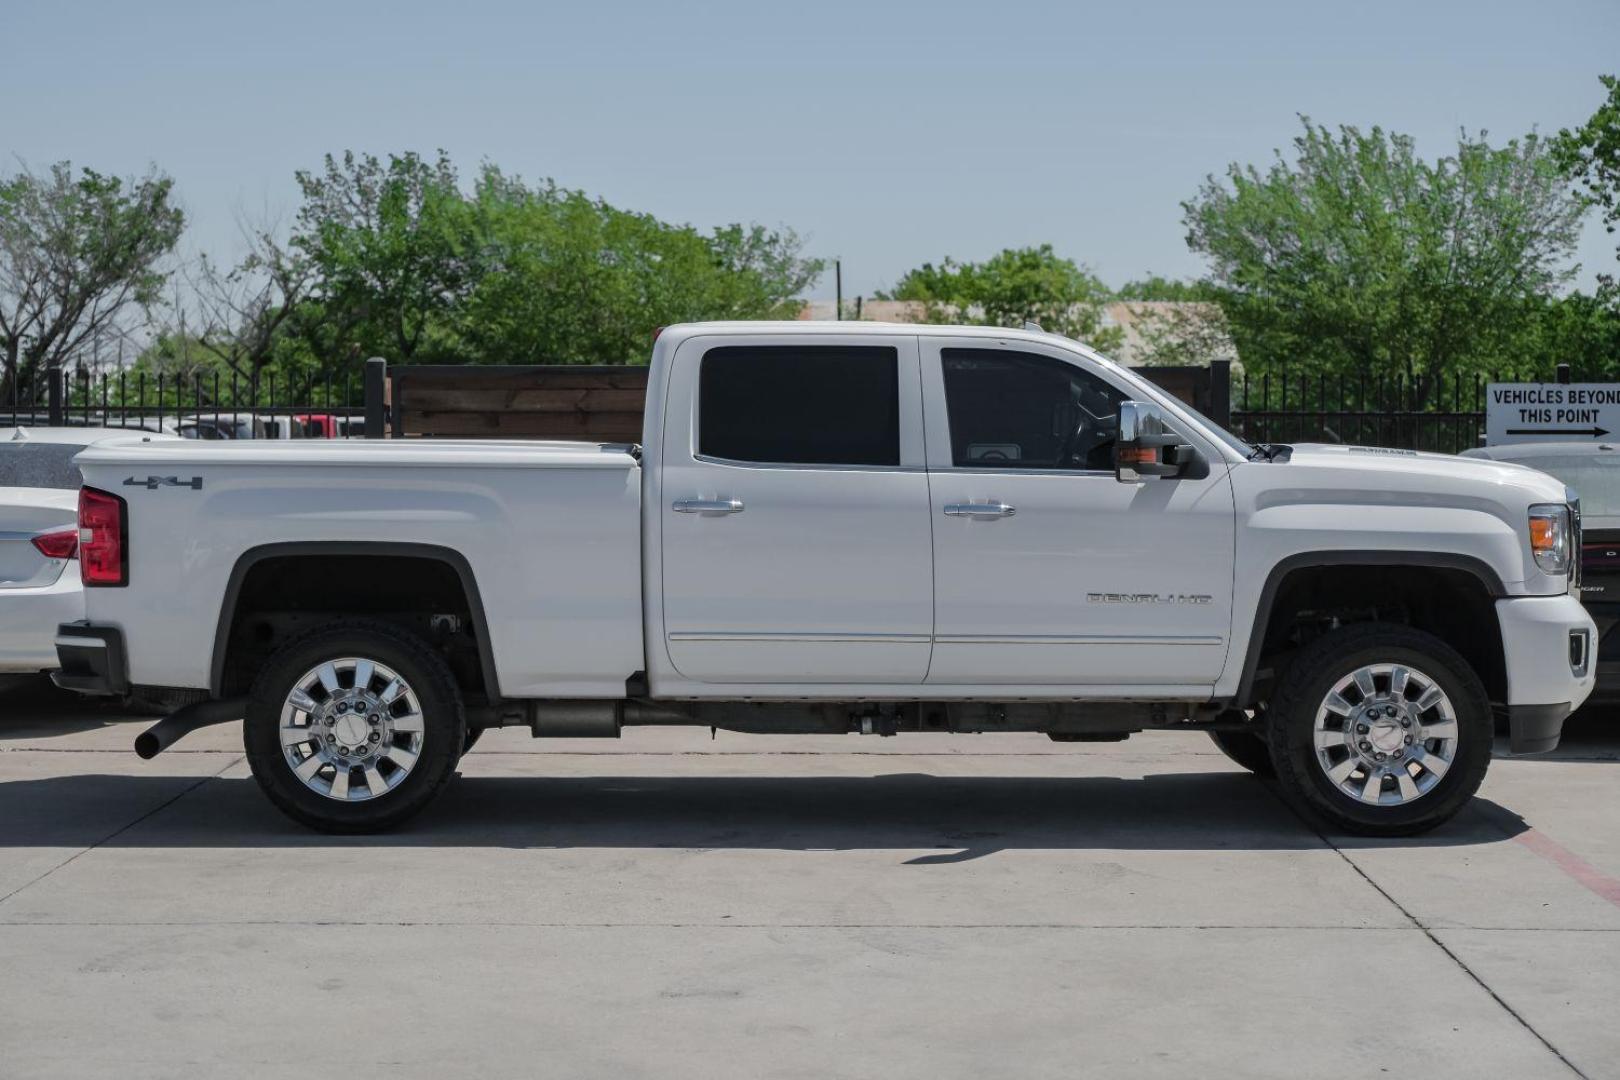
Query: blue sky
(886, 134)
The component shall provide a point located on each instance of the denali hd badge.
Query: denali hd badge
(152, 483)
(1147, 598)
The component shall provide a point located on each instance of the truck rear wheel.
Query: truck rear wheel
(354, 728)
(1381, 730)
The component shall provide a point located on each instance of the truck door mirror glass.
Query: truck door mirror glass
(1146, 448)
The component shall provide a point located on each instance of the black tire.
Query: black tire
(1305, 685)
(444, 726)
(1248, 748)
(472, 738)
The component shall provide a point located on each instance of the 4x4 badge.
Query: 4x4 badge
(152, 483)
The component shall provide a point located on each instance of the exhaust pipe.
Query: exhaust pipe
(177, 725)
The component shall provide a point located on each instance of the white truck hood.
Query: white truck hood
(1398, 473)
(1354, 498)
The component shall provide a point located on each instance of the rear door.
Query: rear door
(795, 527)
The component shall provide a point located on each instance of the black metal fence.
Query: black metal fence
(1446, 415)
(206, 406)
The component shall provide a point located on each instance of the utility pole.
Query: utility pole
(838, 289)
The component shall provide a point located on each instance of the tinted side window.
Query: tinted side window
(1012, 410)
(800, 404)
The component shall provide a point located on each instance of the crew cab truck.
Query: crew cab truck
(842, 528)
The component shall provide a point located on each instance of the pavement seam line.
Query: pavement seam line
(1430, 934)
(508, 924)
(164, 805)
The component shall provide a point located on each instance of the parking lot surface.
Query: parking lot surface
(668, 905)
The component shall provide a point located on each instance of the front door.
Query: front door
(795, 526)
(1047, 570)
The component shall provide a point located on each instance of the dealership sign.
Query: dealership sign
(1551, 412)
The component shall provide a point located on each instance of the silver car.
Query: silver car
(39, 539)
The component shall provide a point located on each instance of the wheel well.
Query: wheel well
(1450, 602)
(274, 598)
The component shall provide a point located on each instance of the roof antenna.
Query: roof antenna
(1033, 327)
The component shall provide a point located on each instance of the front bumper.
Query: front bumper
(1549, 645)
(91, 659)
(1535, 729)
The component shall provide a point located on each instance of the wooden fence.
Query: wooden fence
(594, 404)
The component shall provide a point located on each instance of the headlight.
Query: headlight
(1549, 537)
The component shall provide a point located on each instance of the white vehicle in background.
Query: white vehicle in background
(39, 539)
(842, 527)
(221, 426)
(1592, 471)
(209, 426)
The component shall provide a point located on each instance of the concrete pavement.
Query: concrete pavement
(671, 906)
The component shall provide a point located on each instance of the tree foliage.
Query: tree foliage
(1014, 286)
(411, 267)
(392, 246)
(246, 312)
(1189, 333)
(77, 255)
(1155, 288)
(1591, 155)
(1360, 256)
(566, 278)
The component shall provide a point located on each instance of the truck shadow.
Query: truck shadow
(32, 708)
(942, 819)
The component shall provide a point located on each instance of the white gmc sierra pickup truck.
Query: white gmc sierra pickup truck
(842, 528)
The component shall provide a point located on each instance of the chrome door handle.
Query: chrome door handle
(708, 506)
(995, 509)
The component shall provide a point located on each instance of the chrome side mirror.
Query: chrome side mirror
(1144, 448)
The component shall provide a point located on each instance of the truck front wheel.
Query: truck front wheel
(354, 728)
(1380, 730)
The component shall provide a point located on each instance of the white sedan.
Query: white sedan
(39, 539)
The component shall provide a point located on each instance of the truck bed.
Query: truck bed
(550, 532)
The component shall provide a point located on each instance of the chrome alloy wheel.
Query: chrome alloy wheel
(351, 729)
(1385, 734)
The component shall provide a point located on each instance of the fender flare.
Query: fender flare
(316, 548)
(1439, 560)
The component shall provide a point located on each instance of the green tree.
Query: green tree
(78, 256)
(1154, 287)
(174, 369)
(408, 266)
(1359, 256)
(1591, 155)
(1580, 330)
(246, 312)
(393, 248)
(1189, 333)
(571, 279)
(1014, 286)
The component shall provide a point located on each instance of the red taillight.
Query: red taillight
(103, 538)
(58, 545)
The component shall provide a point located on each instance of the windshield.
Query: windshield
(1247, 449)
(1231, 441)
(39, 465)
(1595, 479)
